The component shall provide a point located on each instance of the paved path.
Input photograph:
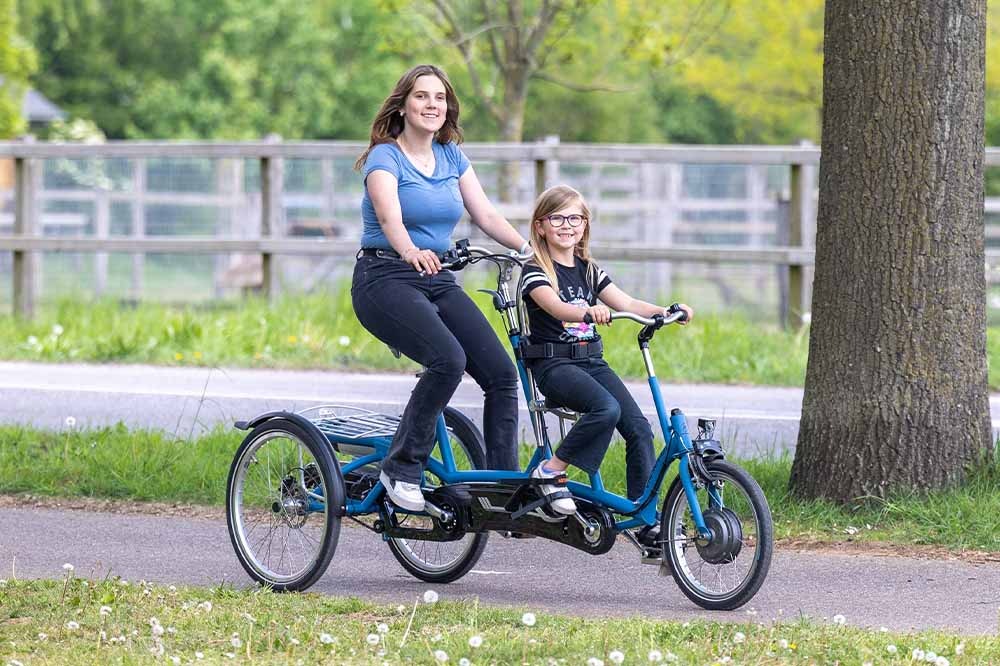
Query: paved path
(901, 594)
(188, 400)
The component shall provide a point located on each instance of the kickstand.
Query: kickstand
(646, 554)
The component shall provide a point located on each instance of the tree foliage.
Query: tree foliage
(17, 61)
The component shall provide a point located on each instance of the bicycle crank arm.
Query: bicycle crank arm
(437, 512)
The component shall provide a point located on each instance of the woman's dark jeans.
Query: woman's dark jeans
(590, 387)
(432, 321)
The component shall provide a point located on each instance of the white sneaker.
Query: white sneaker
(563, 505)
(404, 495)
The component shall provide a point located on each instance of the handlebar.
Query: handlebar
(461, 255)
(656, 320)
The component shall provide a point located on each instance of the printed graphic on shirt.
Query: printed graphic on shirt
(578, 286)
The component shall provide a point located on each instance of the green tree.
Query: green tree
(17, 61)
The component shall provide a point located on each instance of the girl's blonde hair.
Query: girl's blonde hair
(547, 203)
(388, 124)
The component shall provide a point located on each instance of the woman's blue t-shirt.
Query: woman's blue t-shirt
(431, 205)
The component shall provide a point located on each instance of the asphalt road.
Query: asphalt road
(901, 594)
(189, 400)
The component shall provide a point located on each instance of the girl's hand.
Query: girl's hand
(425, 261)
(687, 310)
(601, 314)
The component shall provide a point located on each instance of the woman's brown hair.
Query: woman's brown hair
(548, 202)
(388, 123)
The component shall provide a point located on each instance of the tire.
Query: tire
(278, 481)
(445, 561)
(726, 572)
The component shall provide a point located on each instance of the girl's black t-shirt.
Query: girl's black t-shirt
(577, 286)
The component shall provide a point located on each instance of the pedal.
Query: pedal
(516, 535)
(651, 556)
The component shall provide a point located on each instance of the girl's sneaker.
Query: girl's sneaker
(403, 494)
(564, 505)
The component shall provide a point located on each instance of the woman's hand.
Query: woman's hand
(601, 314)
(425, 261)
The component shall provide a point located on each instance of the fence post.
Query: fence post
(25, 278)
(138, 226)
(271, 187)
(796, 272)
(546, 171)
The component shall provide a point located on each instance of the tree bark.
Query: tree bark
(896, 393)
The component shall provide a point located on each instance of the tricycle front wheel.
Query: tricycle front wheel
(725, 571)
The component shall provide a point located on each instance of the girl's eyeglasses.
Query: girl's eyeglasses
(559, 220)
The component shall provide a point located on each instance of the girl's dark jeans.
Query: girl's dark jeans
(590, 387)
(432, 321)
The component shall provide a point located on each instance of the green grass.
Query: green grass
(61, 622)
(321, 331)
(153, 466)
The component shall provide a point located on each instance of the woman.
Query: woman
(417, 182)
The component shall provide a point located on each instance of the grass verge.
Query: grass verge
(118, 463)
(75, 621)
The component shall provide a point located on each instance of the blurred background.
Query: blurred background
(608, 72)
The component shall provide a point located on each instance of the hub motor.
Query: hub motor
(727, 536)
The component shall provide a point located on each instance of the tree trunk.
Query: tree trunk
(896, 394)
(512, 129)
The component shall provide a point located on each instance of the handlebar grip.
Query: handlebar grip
(587, 319)
(676, 307)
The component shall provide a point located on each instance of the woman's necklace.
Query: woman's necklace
(425, 164)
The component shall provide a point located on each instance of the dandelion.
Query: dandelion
(57, 330)
(839, 619)
(528, 619)
(960, 648)
(475, 641)
(197, 356)
(382, 628)
(172, 589)
(105, 611)
(171, 631)
(655, 656)
(43, 637)
(942, 661)
(205, 606)
(783, 644)
(430, 597)
(235, 641)
(739, 637)
(293, 641)
(199, 655)
(917, 654)
(464, 662)
(616, 657)
(325, 639)
(178, 356)
(157, 630)
(72, 625)
(3, 582)
(594, 661)
(883, 630)
(32, 341)
(343, 341)
(436, 637)
(930, 657)
(123, 583)
(175, 660)
(400, 609)
(891, 649)
(68, 568)
(292, 339)
(70, 423)
(440, 656)
(373, 639)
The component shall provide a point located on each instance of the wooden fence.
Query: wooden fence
(793, 251)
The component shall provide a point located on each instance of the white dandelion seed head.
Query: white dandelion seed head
(891, 649)
(739, 637)
(382, 628)
(440, 656)
(171, 631)
(72, 625)
(372, 639)
(430, 597)
(343, 341)
(293, 641)
(655, 656)
(594, 661)
(400, 609)
(199, 655)
(960, 648)
(670, 657)
(105, 611)
(157, 630)
(172, 589)
(783, 644)
(436, 637)
(942, 661)
(44, 636)
(68, 568)
(175, 660)
(123, 583)
(930, 657)
(464, 662)
(205, 606)
(326, 639)
(475, 641)
(235, 641)
(917, 654)
(616, 657)
(157, 650)
(839, 619)
(528, 619)
(883, 630)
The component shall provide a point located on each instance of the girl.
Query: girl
(562, 285)
(417, 183)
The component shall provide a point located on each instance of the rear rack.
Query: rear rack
(356, 423)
